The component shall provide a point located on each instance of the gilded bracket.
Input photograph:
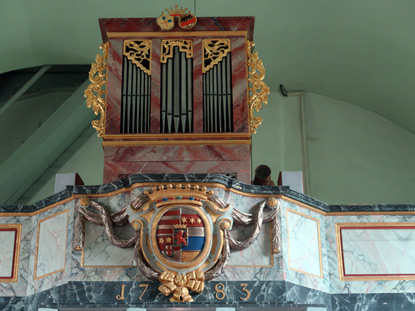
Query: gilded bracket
(167, 48)
(139, 52)
(95, 93)
(214, 50)
(257, 89)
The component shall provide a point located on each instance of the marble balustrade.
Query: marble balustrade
(331, 255)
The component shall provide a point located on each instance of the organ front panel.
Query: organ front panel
(177, 101)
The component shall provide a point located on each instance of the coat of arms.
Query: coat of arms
(182, 234)
(167, 19)
(183, 231)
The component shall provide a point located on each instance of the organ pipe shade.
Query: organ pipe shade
(176, 93)
(217, 97)
(135, 102)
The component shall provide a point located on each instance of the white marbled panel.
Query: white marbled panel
(304, 244)
(258, 254)
(304, 277)
(363, 285)
(7, 242)
(378, 251)
(51, 244)
(99, 251)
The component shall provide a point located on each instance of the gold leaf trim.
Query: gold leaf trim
(258, 90)
(96, 90)
(214, 50)
(139, 51)
(168, 45)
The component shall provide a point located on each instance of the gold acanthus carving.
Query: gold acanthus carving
(167, 48)
(214, 50)
(139, 52)
(257, 89)
(95, 93)
(179, 284)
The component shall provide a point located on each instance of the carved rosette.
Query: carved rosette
(139, 52)
(95, 93)
(258, 90)
(214, 50)
(167, 48)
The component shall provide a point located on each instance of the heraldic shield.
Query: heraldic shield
(183, 237)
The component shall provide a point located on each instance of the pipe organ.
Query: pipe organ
(176, 100)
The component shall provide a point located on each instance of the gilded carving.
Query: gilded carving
(182, 235)
(257, 89)
(167, 18)
(167, 48)
(214, 50)
(179, 284)
(139, 52)
(95, 93)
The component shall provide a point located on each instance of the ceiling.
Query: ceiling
(361, 52)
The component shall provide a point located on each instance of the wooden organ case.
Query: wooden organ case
(178, 100)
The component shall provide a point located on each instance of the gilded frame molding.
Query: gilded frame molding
(211, 185)
(369, 225)
(319, 244)
(35, 276)
(178, 136)
(164, 34)
(16, 251)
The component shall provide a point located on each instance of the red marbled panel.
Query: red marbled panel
(242, 168)
(155, 86)
(239, 86)
(245, 23)
(197, 86)
(178, 153)
(114, 81)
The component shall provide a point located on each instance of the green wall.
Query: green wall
(355, 156)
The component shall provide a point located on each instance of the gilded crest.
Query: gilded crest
(165, 21)
(182, 229)
(186, 19)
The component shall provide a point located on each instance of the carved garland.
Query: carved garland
(96, 90)
(139, 52)
(179, 285)
(258, 90)
(214, 50)
(168, 45)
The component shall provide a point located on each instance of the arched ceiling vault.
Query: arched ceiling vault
(361, 52)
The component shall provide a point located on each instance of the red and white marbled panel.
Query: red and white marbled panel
(178, 153)
(239, 86)
(127, 25)
(114, 81)
(197, 86)
(242, 168)
(155, 86)
(8, 252)
(245, 23)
